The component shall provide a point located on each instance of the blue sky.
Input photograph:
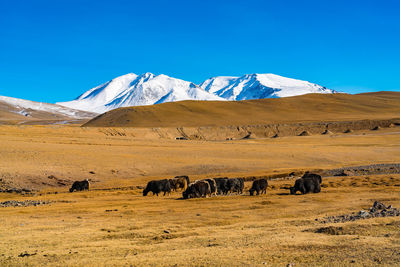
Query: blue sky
(54, 50)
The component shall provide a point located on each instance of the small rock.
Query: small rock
(26, 254)
(167, 232)
(364, 213)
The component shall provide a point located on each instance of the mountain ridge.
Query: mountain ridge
(258, 86)
(138, 90)
(149, 89)
(21, 110)
(304, 108)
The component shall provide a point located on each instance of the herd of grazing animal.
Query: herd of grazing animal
(308, 183)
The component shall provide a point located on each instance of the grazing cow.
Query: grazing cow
(306, 185)
(79, 186)
(197, 189)
(222, 185)
(259, 186)
(213, 186)
(157, 186)
(178, 182)
(235, 185)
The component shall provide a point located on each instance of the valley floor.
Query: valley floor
(121, 227)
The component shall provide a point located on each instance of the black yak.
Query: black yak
(306, 185)
(157, 186)
(259, 186)
(197, 189)
(79, 186)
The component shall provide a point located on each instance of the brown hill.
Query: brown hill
(305, 108)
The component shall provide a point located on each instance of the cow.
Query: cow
(178, 182)
(222, 185)
(157, 186)
(79, 186)
(235, 185)
(306, 185)
(259, 186)
(213, 186)
(197, 189)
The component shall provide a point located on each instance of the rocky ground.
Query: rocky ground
(378, 209)
(365, 170)
(25, 203)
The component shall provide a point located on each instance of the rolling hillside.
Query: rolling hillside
(305, 108)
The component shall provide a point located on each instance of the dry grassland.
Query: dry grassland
(106, 228)
(29, 154)
(121, 227)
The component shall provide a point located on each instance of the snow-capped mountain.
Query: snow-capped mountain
(257, 86)
(28, 108)
(148, 89)
(215, 84)
(133, 90)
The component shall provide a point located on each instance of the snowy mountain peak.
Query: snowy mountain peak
(146, 76)
(133, 90)
(214, 84)
(256, 86)
(148, 89)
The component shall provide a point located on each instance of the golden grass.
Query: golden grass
(122, 227)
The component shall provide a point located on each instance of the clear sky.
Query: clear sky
(55, 50)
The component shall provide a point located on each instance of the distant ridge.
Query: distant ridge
(258, 86)
(16, 109)
(305, 108)
(148, 89)
(138, 90)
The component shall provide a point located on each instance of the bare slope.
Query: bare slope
(19, 111)
(305, 108)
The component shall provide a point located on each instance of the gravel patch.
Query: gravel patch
(378, 209)
(365, 170)
(25, 203)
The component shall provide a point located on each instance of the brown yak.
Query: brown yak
(178, 182)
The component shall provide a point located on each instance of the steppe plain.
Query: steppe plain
(113, 224)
